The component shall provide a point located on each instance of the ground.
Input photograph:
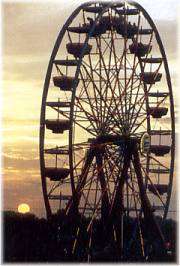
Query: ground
(30, 239)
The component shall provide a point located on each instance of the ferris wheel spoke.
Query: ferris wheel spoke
(157, 161)
(105, 67)
(105, 93)
(143, 99)
(113, 90)
(110, 46)
(81, 160)
(88, 97)
(133, 107)
(125, 75)
(112, 77)
(100, 84)
(116, 121)
(76, 122)
(148, 115)
(63, 113)
(117, 79)
(88, 115)
(134, 66)
(125, 90)
(94, 70)
(86, 102)
(53, 187)
(94, 89)
(108, 81)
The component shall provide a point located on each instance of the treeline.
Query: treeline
(27, 238)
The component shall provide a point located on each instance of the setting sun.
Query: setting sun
(23, 208)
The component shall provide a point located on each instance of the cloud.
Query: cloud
(31, 28)
(20, 163)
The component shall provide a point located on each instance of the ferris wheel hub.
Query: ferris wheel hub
(109, 139)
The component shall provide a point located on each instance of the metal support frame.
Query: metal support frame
(115, 212)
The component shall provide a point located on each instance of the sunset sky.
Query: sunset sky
(29, 30)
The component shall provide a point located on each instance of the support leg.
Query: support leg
(116, 216)
(153, 229)
(105, 198)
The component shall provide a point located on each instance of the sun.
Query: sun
(23, 208)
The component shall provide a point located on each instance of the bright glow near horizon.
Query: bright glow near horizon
(23, 208)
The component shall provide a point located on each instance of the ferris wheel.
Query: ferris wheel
(107, 132)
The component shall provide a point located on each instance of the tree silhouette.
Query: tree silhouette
(27, 238)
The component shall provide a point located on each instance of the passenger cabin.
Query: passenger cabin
(152, 60)
(145, 31)
(140, 49)
(157, 112)
(60, 197)
(56, 151)
(150, 77)
(58, 104)
(65, 83)
(118, 5)
(66, 62)
(98, 30)
(159, 170)
(56, 174)
(85, 28)
(93, 9)
(109, 22)
(57, 126)
(77, 48)
(158, 94)
(128, 11)
(160, 188)
(160, 150)
(161, 132)
(127, 30)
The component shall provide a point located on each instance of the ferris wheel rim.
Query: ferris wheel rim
(48, 78)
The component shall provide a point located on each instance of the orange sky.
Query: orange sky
(28, 34)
